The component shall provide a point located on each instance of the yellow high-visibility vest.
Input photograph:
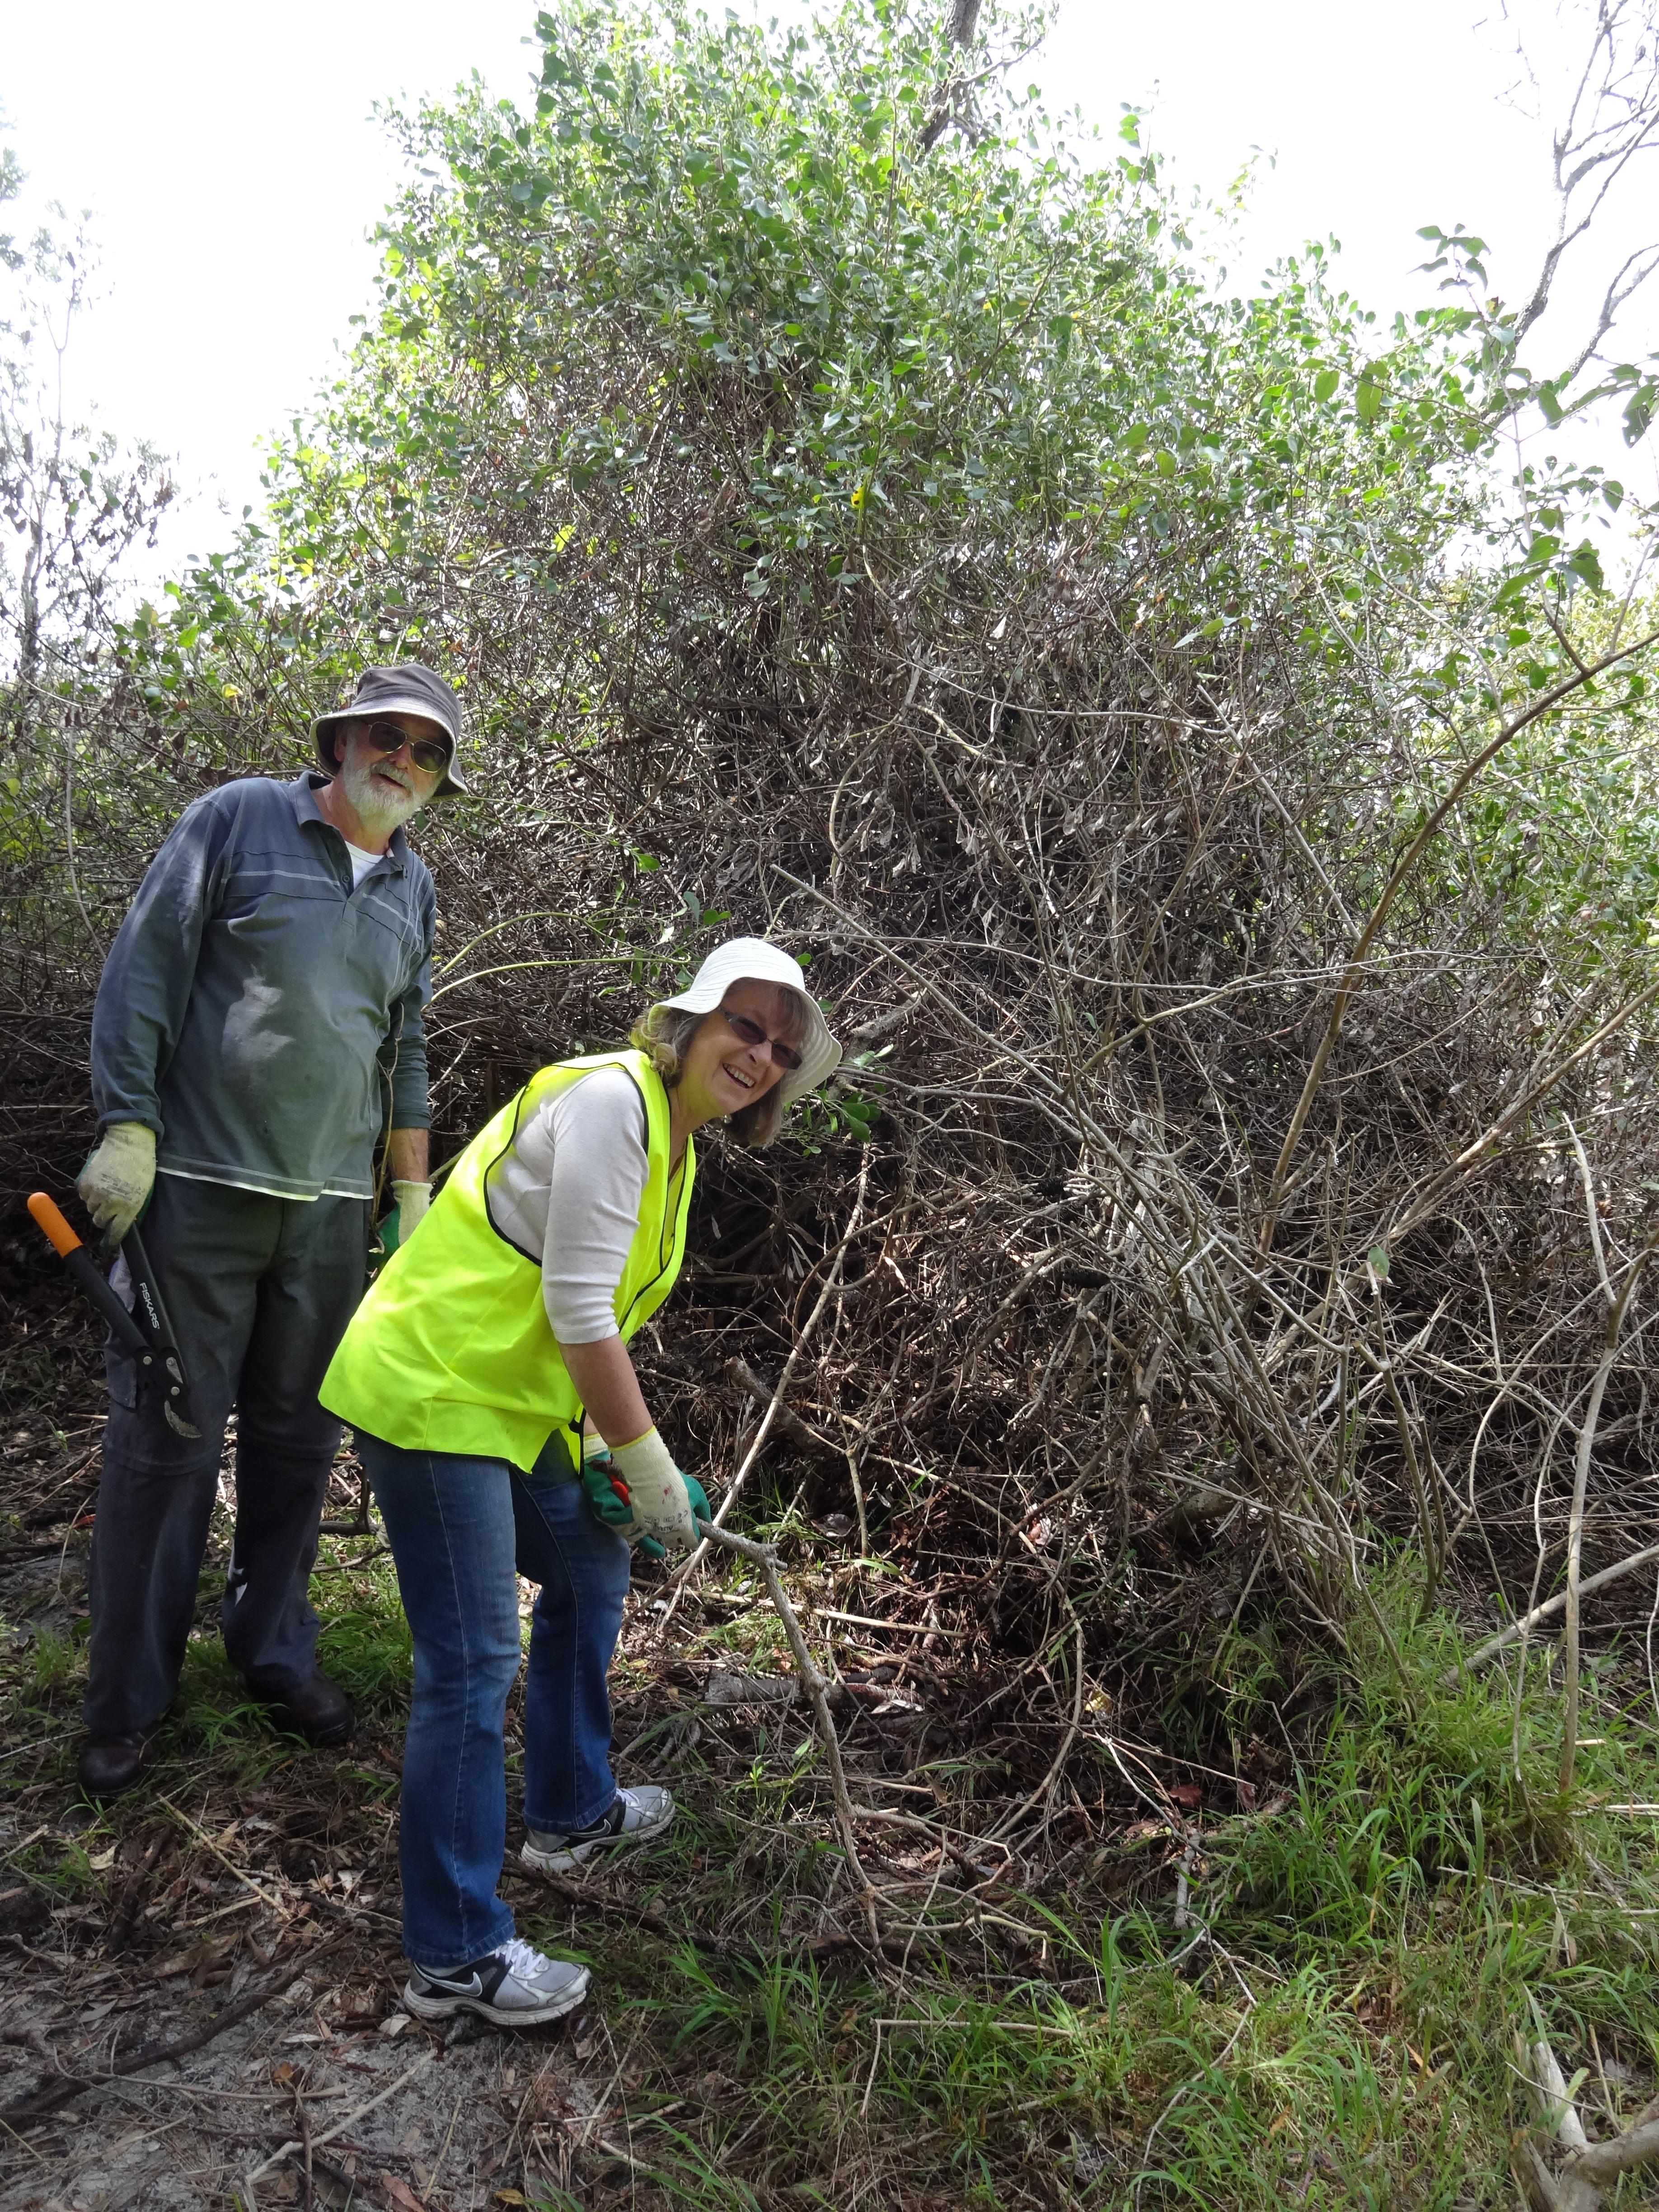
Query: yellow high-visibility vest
(450, 1349)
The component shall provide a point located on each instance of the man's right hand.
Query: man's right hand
(116, 1180)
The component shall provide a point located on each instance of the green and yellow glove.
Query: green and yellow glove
(607, 1494)
(659, 1502)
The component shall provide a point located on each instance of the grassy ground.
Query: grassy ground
(1328, 2021)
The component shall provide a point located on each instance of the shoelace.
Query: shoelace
(523, 1959)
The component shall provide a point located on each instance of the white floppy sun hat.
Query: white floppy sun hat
(752, 960)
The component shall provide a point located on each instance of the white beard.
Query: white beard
(379, 806)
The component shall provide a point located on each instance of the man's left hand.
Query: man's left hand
(412, 1201)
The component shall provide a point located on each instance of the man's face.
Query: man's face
(387, 787)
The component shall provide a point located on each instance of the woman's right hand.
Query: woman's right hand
(606, 1492)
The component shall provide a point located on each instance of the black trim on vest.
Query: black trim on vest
(672, 1226)
(534, 1258)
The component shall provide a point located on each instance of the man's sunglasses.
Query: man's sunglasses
(425, 752)
(752, 1034)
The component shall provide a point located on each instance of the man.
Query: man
(257, 1024)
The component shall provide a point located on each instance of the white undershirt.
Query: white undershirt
(362, 862)
(570, 1188)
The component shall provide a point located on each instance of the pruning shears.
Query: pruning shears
(145, 1332)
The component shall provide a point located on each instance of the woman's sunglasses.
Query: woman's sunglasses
(425, 752)
(752, 1034)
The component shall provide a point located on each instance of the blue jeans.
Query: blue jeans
(461, 1529)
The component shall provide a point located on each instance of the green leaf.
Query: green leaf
(1377, 1260)
(1586, 564)
(1325, 384)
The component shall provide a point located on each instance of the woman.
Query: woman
(490, 1345)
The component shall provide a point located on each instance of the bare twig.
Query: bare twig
(762, 1557)
(1590, 2169)
(339, 2127)
(1540, 1614)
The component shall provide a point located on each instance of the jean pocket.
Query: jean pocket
(121, 1373)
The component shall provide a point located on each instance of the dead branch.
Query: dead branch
(764, 1558)
(1551, 1606)
(48, 2096)
(1589, 2169)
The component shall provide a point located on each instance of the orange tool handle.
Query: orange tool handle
(52, 1226)
(76, 1258)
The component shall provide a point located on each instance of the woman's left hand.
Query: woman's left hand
(606, 1492)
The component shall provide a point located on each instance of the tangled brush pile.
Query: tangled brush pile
(1229, 892)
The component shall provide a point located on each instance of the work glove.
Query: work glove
(409, 1207)
(118, 1177)
(411, 1202)
(661, 1500)
(607, 1493)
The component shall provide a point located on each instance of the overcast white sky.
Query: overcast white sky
(233, 168)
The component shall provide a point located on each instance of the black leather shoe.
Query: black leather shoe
(318, 1710)
(110, 1765)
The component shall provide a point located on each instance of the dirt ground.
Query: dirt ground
(408, 2117)
(394, 2111)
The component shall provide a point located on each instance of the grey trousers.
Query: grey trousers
(259, 1291)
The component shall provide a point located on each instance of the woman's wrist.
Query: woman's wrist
(647, 1456)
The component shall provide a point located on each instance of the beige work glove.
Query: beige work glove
(117, 1178)
(658, 1496)
(412, 1199)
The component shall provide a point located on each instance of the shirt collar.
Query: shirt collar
(302, 795)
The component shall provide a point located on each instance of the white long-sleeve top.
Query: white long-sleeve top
(570, 1188)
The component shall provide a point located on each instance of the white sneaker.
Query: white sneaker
(514, 1987)
(634, 1818)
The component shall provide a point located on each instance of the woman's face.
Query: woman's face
(721, 1074)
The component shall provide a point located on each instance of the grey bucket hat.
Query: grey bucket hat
(409, 688)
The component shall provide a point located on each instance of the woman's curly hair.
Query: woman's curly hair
(665, 1035)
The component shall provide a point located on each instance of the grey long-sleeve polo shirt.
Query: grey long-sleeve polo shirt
(256, 1011)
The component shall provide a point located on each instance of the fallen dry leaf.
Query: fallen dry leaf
(201, 1958)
